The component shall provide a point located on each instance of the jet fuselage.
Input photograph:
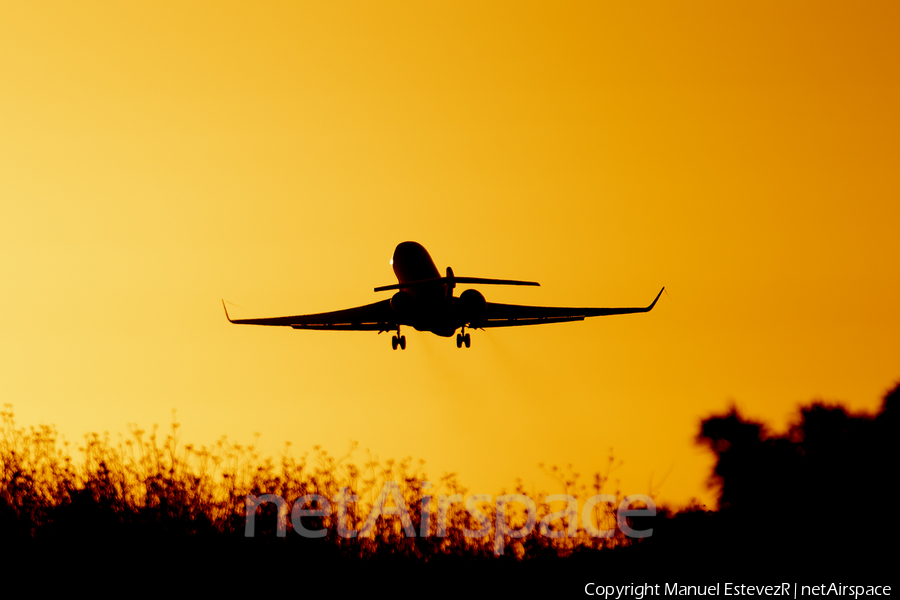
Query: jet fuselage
(429, 306)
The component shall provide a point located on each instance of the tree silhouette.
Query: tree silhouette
(820, 489)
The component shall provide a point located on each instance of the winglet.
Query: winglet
(649, 308)
(226, 311)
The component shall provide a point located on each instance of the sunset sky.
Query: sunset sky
(156, 157)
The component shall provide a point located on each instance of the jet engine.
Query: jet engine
(404, 304)
(472, 307)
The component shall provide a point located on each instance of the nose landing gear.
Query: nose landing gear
(463, 338)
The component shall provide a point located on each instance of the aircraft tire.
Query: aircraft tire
(467, 340)
(403, 342)
(459, 340)
(394, 342)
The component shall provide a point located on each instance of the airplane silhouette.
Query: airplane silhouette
(425, 301)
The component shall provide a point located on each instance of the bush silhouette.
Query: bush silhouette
(147, 491)
(820, 491)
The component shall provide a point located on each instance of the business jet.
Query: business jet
(424, 301)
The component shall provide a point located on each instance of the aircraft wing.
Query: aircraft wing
(371, 317)
(512, 315)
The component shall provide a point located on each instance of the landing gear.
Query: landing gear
(463, 338)
(398, 340)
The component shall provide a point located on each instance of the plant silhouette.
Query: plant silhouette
(819, 490)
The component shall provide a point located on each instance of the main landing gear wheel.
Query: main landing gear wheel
(463, 339)
(398, 340)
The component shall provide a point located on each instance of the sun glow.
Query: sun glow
(158, 156)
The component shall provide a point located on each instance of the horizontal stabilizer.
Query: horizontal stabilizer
(439, 280)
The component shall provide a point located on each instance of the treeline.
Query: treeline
(816, 499)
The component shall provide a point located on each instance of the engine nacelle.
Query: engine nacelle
(404, 304)
(472, 307)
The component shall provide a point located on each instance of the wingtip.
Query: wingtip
(657, 298)
(226, 311)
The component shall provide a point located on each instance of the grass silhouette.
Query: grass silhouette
(818, 491)
(148, 488)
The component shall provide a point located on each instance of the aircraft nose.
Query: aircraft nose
(412, 262)
(407, 250)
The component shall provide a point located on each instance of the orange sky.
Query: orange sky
(156, 158)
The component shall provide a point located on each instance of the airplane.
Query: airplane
(424, 301)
